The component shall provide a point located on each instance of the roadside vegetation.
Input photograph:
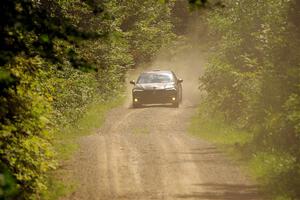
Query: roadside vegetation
(63, 64)
(251, 90)
(60, 182)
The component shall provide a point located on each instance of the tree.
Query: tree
(253, 79)
(56, 57)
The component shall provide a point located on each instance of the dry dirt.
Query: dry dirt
(146, 153)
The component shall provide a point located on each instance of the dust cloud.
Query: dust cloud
(187, 59)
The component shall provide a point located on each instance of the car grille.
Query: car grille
(155, 96)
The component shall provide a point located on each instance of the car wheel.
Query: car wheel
(175, 104)
(180, 98)
(136, 105)
(180, 94)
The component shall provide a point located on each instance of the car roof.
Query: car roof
(159, 71)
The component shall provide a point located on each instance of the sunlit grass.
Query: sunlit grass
(216, 131)
(92, 120)
(270, 169)
(58, 188)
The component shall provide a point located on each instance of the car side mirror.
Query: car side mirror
(132, 82)
(180, 80)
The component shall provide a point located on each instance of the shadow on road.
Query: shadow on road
(215, 191)
(201, 151)
(153, 106)
(208, 155)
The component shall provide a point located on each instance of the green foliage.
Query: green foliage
(253, 78)
(25, 148)
(31, 27)
(204, 4)
(272, 169)
(211, 126)
(148, 26)
(65, 144)
(56, 58)
(74, 90)
(8, 188)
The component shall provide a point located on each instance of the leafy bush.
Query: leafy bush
(56, 57)
(148, 26)
(253, 79)
(25, 138)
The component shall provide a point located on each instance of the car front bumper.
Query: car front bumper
(154, 96)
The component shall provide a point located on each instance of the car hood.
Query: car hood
(154, 86)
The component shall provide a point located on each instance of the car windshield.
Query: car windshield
(155, 78)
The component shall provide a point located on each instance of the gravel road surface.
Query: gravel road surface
(147, 153)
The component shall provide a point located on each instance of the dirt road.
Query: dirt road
(146, 153)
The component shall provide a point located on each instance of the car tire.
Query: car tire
(180, 98)
(175, 104)
(136, 105)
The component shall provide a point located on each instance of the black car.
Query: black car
(157, 87)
